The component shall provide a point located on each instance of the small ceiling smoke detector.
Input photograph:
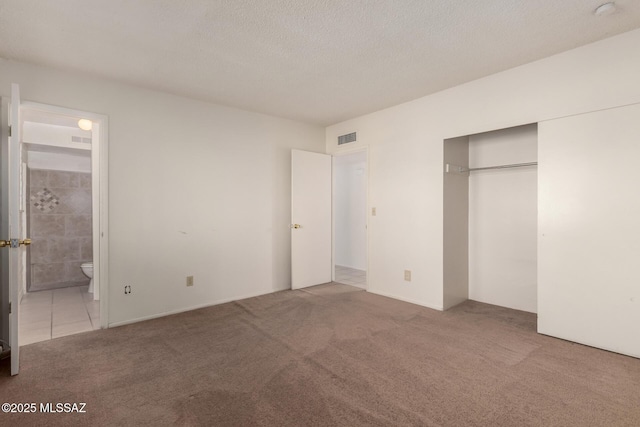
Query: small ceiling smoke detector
(605, 9)
(85, 124)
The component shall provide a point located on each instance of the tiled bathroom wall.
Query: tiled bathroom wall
(60, 227)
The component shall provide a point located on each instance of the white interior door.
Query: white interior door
(311, 219)
(12, 211)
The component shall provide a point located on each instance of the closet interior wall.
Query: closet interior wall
(456, 224)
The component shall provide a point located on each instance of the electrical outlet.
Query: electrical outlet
(189, 280)
(407, 275)
(373, 211)
(127, 289)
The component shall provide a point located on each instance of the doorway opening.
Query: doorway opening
(350, 260)
(63, 210)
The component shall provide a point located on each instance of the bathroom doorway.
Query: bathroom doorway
(63, 198)
(350, 218)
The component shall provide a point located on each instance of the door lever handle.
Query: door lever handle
(4, 243)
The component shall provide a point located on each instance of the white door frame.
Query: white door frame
(99, 196)
(333, 208)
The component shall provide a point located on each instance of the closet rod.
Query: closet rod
(515, 165)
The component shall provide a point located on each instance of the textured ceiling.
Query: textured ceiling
(319, 61)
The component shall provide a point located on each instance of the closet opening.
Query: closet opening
(490, 218)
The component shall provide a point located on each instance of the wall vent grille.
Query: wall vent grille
(345, 139)
(80, 139)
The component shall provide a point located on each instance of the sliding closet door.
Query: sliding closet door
(589, 229)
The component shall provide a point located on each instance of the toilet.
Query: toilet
(87, 269)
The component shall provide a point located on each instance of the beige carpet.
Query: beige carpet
(331, 355)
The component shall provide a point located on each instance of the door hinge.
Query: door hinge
(10, 307)
(9, 130)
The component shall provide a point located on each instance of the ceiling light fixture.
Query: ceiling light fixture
(85, 124)
(605, 9)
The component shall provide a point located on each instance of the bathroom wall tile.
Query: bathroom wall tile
(63, 179)
(62, 235)
(43, 200)
(72, 249)
(80, 283)
(78, 225)
(62, 249)
(38, 178)
(81, 201)
(47, 273)
(63, 194)
(47, 226)
(54, 286)
(73, 200)
(86, 248)
(84, 180)
(38, 250)
(73, 273)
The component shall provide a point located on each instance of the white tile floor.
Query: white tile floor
(45, 315)
(351, 276)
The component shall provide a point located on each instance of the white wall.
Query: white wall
(350, 210)
(194, 189)
(406, 149)
(503, 219)
(589, 229)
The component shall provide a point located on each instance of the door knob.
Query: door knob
(14, 243)
(296, 226)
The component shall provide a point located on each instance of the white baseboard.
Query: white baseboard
(190, 308)
(434, 307)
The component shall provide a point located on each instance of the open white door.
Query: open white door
(14, 242)
(311, 219)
